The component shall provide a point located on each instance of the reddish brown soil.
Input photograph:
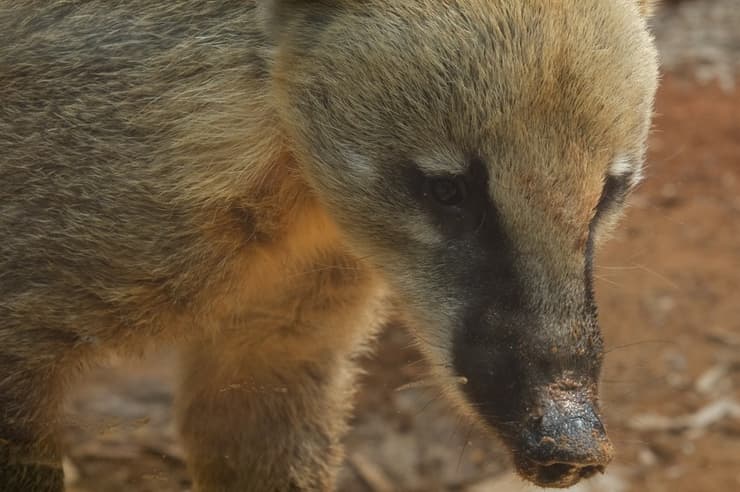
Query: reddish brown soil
(668, 286)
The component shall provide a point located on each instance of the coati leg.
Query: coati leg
(30, 457)
(268, 416)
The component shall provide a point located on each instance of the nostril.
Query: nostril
(590, 470)
(573, 449)
(559, 468)
(559, 472)
(555, 472)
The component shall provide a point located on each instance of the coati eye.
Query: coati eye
(448, 191)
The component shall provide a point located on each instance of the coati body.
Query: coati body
(265, 182)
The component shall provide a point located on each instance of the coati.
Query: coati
(265, 183)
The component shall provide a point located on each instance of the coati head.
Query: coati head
(475, 151)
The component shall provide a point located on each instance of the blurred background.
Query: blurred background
(669, 293)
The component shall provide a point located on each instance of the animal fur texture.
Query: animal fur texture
(266, 183)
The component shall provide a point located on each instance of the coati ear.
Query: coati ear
(647, 7)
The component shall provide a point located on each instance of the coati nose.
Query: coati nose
(566, 441)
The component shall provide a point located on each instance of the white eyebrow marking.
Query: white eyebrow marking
(442, 163)
(620, 166)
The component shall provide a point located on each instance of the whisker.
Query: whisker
(455, 428)
(432, 381)
(638, 266)
(630, 441)
(465, 445)
(642, 342)
(438, 347)
(660, 379)
(658, 275)
(614, 267)
(426, 405)
(419, 362)
(608, 281)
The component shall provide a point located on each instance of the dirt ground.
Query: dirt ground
(668, 285)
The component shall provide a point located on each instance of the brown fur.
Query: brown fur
(179, 173)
